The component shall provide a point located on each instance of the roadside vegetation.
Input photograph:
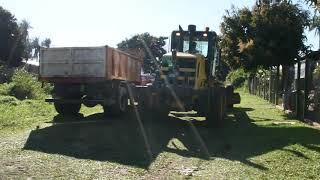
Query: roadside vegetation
(257, 141)
(17, 115)
(237, 78)
(22, 99)
(24, 85)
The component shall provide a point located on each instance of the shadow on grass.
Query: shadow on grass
(120, 139)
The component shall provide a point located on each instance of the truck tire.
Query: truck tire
(121, 104)
(67, 108)
(67, 92)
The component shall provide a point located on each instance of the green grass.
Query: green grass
(256, 142)
(18, 115)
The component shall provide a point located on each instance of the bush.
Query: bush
(25, 86)
(5, 89)
(47, 88)
(5, 74)
(9, 100)
(237, 78)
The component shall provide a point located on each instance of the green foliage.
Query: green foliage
(317, 72)
(46, 43)
(266, 35)
(151, 46)
(5, 88)
(35, 44)
(237, 77)
(26, 86)
(12, 37)
(15, 43)
(313, 3)
(16, 115)
(263, 73)
(24, 27)
(22, 84)
(9, 100)
(315, 25)
(5, 73)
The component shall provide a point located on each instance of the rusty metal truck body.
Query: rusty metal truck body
(89, 76)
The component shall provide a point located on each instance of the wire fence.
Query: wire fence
(295, 88)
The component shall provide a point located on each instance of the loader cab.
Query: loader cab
(195, 42)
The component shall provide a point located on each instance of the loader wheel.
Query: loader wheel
(121, 105)
(153, 106)
(162, 113)
(67, 109)
(145, 102)
(215, 112)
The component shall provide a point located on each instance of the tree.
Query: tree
(46, 43)
(268, 35)
(35, 44)
(24, 27)
(314, 3)
(315, 25)
(151, 46)
(235, 28)
(11, 42)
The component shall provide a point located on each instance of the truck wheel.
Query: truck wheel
(67, 109)
(121, 105)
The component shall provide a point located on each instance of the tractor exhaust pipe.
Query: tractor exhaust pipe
(192, 46)
(192, 28)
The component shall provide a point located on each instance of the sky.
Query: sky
(108, 22)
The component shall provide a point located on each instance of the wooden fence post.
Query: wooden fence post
(270, 86)
(306, 85)
(276, 94)
(298, 92)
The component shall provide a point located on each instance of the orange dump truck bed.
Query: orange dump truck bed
(88, 64)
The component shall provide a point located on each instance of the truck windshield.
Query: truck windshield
(201, 47)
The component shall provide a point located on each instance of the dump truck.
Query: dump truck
(90, 76)
(187, 79)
